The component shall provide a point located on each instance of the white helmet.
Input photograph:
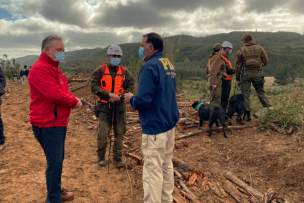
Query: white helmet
(227, 44)
(114, 50)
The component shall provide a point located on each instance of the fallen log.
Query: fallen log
(181, 182)
(255, 193)
(234, 192)
(268, 196)
(277, 128)
(215, 189)
(177, 196)
(91, 106)
(79, 88)
(78, 80)
(189, 197)
(213, 129)
(136, 157)
(185, 167)
(182, 104)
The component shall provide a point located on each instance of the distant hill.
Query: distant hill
(283, 49)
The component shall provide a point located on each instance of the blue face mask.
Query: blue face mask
(115, 61)
(60, 56)
(141, 53)
(230, 51)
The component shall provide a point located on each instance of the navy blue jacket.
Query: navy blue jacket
(155, 99)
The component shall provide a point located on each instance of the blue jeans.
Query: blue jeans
(2, 137)
(52, 142)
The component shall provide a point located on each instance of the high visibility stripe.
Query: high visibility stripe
(223, 57)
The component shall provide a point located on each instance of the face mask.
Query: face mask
(230, 51)
(115, 61)
(60, 56)
(141, 53)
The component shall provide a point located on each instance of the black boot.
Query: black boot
(101, 161)
(248, 116)
(119, 162)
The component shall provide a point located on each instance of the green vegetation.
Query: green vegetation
(9, 70)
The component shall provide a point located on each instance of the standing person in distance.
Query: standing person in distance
(2, 92)
(51, 104)
(249, 63)
(216, 70)
(158, 113)
(227, 82)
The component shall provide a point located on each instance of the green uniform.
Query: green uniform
(249, 62)
(216, 70)
(226, 84)
(104, 125)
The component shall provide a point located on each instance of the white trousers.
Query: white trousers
(158, 178)
(24, 80)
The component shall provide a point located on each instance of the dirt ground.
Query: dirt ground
(266, 159)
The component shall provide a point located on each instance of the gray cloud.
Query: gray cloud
(132, 15)
(189, 4)
(261, 6)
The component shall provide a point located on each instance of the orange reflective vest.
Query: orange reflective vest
(229, 76)
(113, 84)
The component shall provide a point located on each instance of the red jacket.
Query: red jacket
(51, 100)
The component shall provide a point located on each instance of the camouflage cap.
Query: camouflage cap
(247, 36)
(114, 50)
(217, 46)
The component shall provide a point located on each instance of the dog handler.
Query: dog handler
(216, 70)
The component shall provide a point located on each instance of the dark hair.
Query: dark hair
(156, 40)
(214, 51)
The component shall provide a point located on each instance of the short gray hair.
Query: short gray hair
(48, 41)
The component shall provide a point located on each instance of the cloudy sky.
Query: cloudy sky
(98, 23)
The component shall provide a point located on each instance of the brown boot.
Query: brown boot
(66, 195)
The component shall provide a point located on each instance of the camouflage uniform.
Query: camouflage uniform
(104, 125)
(249, 62)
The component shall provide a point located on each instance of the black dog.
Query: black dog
(210, 112)
(236, 104)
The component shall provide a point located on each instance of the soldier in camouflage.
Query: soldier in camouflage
(109, 82)
(249, 62)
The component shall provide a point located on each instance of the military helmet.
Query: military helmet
(227, 44)
(114, 50)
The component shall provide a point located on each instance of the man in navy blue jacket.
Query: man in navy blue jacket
(158, 113)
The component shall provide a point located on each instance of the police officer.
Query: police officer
(226, 83)
(23, 75)
(249, 62)
(109, 82)
(216, 70)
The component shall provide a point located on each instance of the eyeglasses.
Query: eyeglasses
(115, 56)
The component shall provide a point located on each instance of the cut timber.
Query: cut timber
(215, 189)
(178, 198)
(78, 88)
(78, 80)
(91, 106)
(234, 192)
(192, 179)
(277, 128)
(213, 129)
(268, 196)
(136, 157)
(184, 185)
(182, 104)
(256, 194)
(189, 197)
(185, 167)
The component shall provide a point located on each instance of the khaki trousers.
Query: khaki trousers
(217, 93)
(158, 178)
(23, 80)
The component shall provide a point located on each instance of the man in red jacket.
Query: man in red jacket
(50, 107)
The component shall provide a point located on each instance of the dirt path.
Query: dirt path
(267, 159)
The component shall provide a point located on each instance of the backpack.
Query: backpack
(252, 56)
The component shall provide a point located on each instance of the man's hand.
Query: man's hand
(78, 105)
(214, 86)
(114, 96)
(238, 83)
(128, 97)
(112, 100)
